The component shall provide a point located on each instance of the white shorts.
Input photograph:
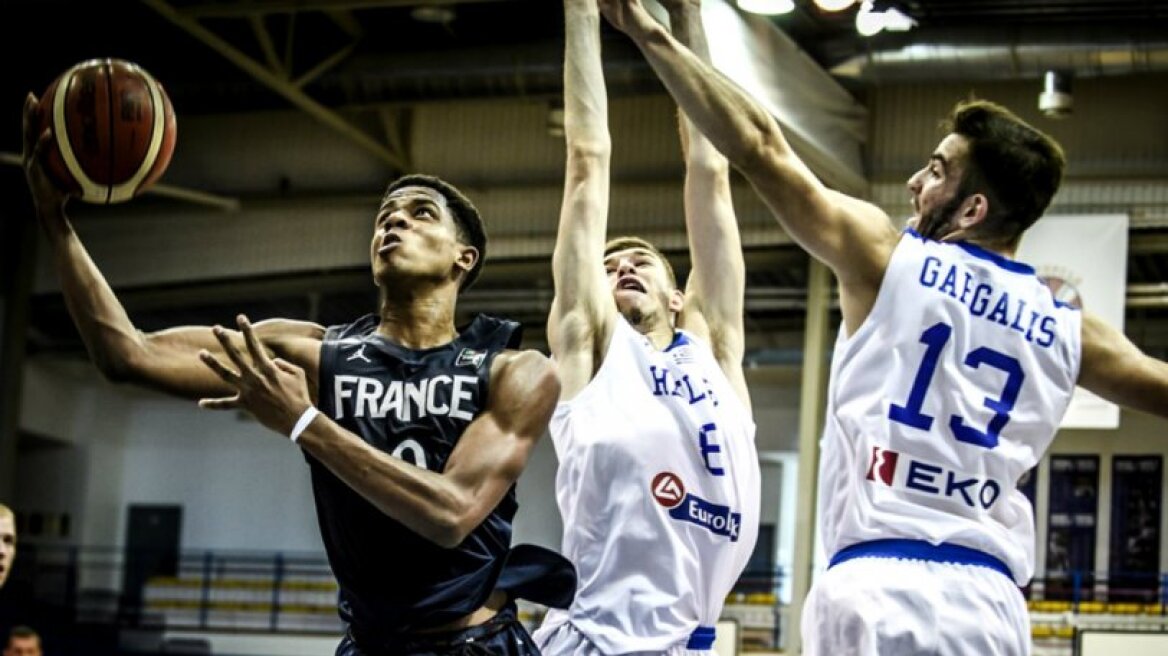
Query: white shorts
(875, 606)
(564, 639)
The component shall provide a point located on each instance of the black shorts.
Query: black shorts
(502, 634)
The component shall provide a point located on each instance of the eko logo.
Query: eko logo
(668, 489)
(925, 478)
(883, 465)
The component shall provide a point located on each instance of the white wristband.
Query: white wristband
(310, 413)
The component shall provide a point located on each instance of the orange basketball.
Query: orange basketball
(113, 130)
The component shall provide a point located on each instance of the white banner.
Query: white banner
(1084, 260)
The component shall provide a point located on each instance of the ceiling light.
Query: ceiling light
(1056, 100)
(433, 14)
(767, 7)
(868, 22)
(897, 21)
(834, 5)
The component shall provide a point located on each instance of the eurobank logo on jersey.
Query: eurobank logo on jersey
(669, 491)
(901, 471)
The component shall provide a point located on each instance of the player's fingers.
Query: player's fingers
(225, 403)
(259, 357)
(230, 377)
(43, 141)
(30, 116)
(229, 348)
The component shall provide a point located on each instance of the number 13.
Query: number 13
(910, 414)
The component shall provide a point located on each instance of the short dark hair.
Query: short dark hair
(21, 632)
(1017, 166)
(466, 216)
(626, 242)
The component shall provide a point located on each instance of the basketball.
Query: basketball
(113, 130)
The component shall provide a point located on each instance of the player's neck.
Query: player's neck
(1004, 247)
(660, 333)
(417, 321)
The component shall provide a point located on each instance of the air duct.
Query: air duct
(988, 62)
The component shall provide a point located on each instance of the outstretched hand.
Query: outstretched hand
(273, 390)
(45, 194)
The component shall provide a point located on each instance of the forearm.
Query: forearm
(717, 280)
(583, 215)
(707, 180)
(110, 337)
(1148, 390)
(685, 21)
(423, 501)
(1113, 367)
(166, 361)
(585, 98)
(727, 116)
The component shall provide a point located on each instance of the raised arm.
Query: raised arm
(444, 507)
(854, 238)
(166, 360)
(1115, 369)
(714, 293)
(582, 313)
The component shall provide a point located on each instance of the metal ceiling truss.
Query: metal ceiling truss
(278, 73)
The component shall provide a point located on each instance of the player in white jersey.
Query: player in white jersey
(952, 370)
(658, 481)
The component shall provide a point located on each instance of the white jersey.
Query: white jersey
(950, 390)
(658, 487)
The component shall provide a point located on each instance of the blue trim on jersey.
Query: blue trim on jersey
(679, 339)
(920, 550)
(702, 638)
(1000, 260)
(983, 254)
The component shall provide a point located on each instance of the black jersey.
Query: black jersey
(413, 404)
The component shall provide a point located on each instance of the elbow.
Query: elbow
(451, 538)
(712, 166)
(549, 383)
(449, 518)
(124, 360)
(116, 367)
(589, 153)
(450, 529)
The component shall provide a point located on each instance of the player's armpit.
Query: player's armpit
(1115, 369)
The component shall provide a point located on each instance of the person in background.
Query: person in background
(7, 542)
(23, 641)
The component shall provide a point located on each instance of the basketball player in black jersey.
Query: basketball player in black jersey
(422, 431)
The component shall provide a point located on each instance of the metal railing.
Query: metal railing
(295, 592)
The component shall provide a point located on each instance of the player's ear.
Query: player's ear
(676, 300)
(468, 256)
(973, 211)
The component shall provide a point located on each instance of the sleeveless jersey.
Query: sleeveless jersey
(413, 404)
(658, 488)
(950, 390)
